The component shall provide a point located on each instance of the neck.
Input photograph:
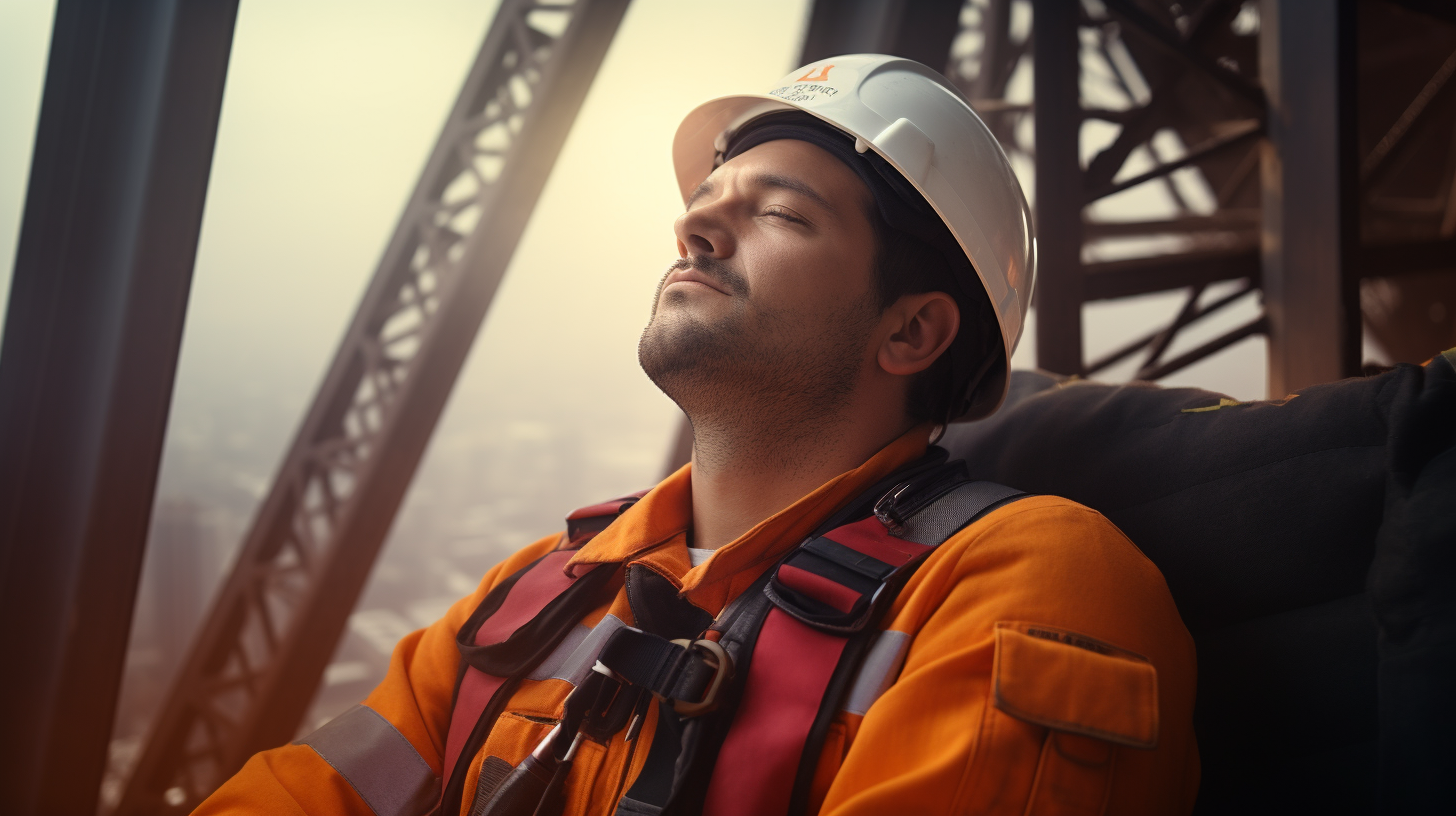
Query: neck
(745, 473)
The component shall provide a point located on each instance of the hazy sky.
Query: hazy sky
(25, 30)
(330, 110)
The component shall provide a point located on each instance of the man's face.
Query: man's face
(772, 300)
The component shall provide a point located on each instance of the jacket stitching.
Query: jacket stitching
(1069, 727)
(985, 734)
(1064, 725)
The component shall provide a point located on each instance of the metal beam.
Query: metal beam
(1258, 325)
(1160, 339)
(1243, 134)
(1439, 9)
(1401, 128)
(1059, 182)
(1168, 82)
(1387, 260)
(1310, 173)
(1109, 280)
(1178, 48)
(260, 653)
(1225, 221)
(123, 150)
(921, 30)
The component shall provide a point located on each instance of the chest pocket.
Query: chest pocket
(1092, 697)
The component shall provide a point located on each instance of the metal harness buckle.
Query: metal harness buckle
(887, 509)
(722, 665)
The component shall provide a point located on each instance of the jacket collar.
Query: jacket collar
(654, 530)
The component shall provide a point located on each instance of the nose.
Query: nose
(704, 230)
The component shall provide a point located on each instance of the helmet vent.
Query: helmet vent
(907, 146)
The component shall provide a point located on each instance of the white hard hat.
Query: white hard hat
(917, 121)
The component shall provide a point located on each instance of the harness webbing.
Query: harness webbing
(793, 664)
(659, 666)
(527, 597)
(797, 640)
(743, 711)
(513, 634)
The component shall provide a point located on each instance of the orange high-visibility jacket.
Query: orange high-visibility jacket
(1042, 668)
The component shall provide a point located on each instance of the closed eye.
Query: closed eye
(787, 215)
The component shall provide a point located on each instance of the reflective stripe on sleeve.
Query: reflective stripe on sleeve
(577, 652)
(880, 668)
(386, 770)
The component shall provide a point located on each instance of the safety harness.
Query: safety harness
(744, 700)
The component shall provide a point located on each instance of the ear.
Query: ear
(917, 330)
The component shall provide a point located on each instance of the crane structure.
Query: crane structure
(1314, 144)
(1308, 151)
(252, 670)
(1188, 84)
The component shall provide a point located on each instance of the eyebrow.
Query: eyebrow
(772, 180)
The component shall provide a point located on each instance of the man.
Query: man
(854, 266)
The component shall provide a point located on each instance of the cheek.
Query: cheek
(828, 273)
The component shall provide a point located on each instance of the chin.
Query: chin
(679, 351)
(685, 300)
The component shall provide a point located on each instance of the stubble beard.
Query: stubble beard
(758, 389)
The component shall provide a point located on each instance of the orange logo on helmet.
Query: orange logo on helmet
(810, 76)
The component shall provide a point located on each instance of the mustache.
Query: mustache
(719, 271)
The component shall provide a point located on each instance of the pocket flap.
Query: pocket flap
(1070, 682)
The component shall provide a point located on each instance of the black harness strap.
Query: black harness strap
(678, 764)
(956, 510)
(666, 669)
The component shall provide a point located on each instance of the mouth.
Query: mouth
(688, 275)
